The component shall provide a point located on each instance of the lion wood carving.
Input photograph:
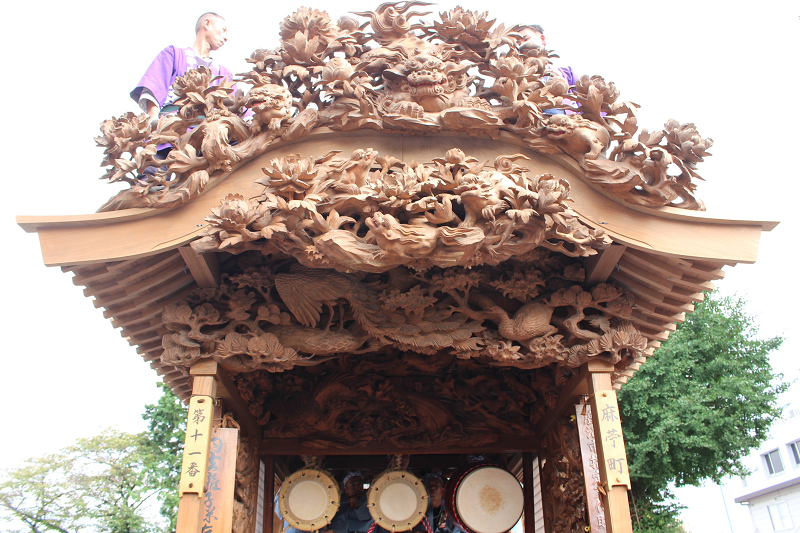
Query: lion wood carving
(462, 73)
(577, 135)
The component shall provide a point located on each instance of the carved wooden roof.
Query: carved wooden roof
(130, 264)
(412, 213)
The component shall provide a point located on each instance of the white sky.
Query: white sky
(729, 68)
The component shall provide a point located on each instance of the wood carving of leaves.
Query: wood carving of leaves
(186, 159)
(515, 83)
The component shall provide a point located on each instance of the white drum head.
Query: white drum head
(309, 499)
(397, 501)
(489, 500)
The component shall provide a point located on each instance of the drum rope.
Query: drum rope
(427, 524)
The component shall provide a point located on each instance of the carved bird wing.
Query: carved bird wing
(304, 291)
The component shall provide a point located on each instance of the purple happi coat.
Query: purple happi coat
(170, 63)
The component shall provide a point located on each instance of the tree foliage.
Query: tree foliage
(703, 401)
(162, 447)
(107, 483)
(96, 484)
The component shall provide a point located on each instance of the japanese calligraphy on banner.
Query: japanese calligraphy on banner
(195, 449)
(218, 503)
(615, 462)
(591, 468)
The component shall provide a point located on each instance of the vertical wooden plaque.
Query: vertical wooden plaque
(591, 468)
(217, 513)
(195, 448)
(614, 471)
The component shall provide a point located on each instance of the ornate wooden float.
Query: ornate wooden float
(414, 244)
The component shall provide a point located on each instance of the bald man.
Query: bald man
(533, 38)
(154, 92)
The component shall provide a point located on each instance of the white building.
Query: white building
(772, 490)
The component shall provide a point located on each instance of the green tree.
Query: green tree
(105, 483)
(162, 447)
(39, 497)
(96, 484)
(703, 401)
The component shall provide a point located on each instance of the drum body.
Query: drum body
(484, 498)
(397, 500)
(309, 499)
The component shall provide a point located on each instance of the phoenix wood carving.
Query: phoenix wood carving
(461, 73)
(529, 312)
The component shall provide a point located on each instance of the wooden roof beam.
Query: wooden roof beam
(651, 295)
(599, 267)
(137, 315)
(709, 274)
(144, 270)
(652, 279)
(652, 310)
(204, 268)
(569, 396)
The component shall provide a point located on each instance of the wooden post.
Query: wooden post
(617, 509)
(527, 486)
(269, 492)
(190, 504)
(545, 510)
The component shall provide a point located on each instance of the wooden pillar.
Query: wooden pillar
(190, 505)
(527, 485)
(269, 493)
(545, 511)
(614, 477)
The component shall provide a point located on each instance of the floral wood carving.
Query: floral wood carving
(371, 213)
(414, 401)
(461, 73)
(529, 312)
(563, 490)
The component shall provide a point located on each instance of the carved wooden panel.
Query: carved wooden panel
(462, 73)
(408, 402)
(528, 312)
(246, 491)
(563, 490)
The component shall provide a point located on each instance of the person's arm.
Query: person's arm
(148, 104)
(339, 522)
(157, 79)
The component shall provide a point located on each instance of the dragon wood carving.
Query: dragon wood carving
(461, 73)
(372, 213)
(529, 312)
(414, 402)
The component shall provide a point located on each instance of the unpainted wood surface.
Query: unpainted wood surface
(730, 241)
(618, 514)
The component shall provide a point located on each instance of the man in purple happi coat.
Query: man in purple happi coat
(533, 36)
(154, 91)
